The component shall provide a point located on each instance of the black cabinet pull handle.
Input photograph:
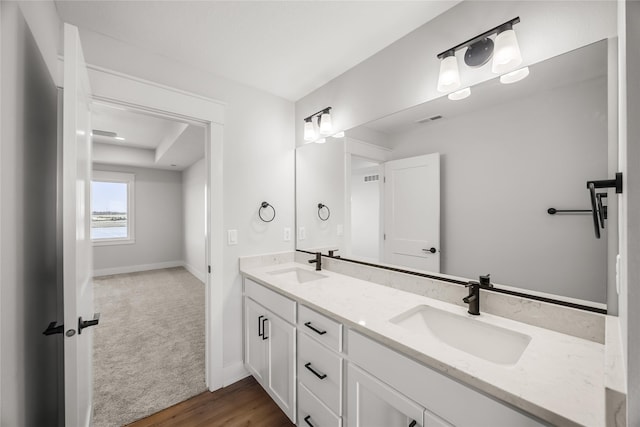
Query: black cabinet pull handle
(413, 423)
(260, 331)
(264, 331)
(316, 373)
(317, 331)
(306, 420)
(87, 323)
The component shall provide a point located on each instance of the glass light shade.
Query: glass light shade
(514, 76)
(309, 131)
(325, 124)
(449, 78)
(321, 140)
(506, 54)
(461, 94)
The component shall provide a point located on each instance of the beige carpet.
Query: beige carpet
(148, 351)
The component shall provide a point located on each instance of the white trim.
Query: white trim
(136, 268)
(197, 273)
(235, 373)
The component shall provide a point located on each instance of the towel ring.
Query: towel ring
(265, 205)
(320, 207)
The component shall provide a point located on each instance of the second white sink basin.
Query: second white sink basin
(480, 339)
(297, 274)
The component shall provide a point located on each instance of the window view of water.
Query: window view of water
(109, 210)
(108, 233)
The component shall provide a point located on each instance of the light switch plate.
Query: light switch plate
(340, 230)
(286, 234)
(232, 237)
(302, 233)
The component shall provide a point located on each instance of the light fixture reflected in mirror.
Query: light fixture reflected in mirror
(514, 76)
(338, 135)
(321, 140)
(461, 94)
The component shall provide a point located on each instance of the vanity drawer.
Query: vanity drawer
(322, 328)
(278, 304)
(312, 412)
(320, 370)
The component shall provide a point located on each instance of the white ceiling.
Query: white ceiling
(149, 141)
(287, 48)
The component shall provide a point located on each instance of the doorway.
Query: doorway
(149, 249)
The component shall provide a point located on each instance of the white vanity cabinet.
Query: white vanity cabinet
(270, 343)
(384, 383)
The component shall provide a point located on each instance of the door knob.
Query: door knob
(432, 250)
(87, 323)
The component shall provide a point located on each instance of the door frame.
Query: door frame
(137, 94)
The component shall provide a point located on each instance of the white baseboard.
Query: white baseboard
(199, 275)
(136, 268)
(234, 373)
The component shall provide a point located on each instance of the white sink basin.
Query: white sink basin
(466, 333)
(297, 274)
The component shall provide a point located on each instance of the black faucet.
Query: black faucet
(332, 253)
(473, 299)
(317, 261)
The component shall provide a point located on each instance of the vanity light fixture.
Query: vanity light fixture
(514, 76)
(449, 78)
(460, 94)
(309, 131)
(507, 55)
(324, 124)
(479, 50)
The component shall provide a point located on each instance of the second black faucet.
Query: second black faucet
(317, 261)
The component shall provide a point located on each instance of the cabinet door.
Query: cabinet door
(372, 403)
(255, 357)
(281, 356)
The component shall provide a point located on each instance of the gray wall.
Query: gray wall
(501, 168)
(29, 267)
(193, 186)
(158, 223)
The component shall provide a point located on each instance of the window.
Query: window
(112, 208)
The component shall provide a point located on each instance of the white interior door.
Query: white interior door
(76, 239)
(412, 212)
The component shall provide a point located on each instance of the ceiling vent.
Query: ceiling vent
(429, 119)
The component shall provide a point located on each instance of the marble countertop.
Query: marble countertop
(559, 378)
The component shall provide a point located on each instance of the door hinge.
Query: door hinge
(384, 179)
(209, 268)
(384, 237)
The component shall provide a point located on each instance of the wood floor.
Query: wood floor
(244, 404)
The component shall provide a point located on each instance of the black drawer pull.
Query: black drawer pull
(306, 420)
(413, 423)
(264, 331)
(317, 331)
(260, 326)
(321, 376)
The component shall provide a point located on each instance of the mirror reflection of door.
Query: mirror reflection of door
(412, 212)
(395, 211)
